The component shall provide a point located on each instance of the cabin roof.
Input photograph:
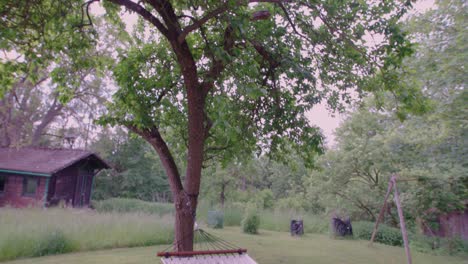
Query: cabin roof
(44, 161)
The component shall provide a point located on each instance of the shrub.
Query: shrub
(385, 235)
(455, 246)
(251, 220)
(438, 245)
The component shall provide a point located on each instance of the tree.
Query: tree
(354, 176)
(44, 74)
(251, 178)
(429, 150)
(28, 110)
(225, 77)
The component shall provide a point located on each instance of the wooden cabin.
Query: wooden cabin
(452, 224)
(45, 177)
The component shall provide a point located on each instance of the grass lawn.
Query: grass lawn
(266, 248)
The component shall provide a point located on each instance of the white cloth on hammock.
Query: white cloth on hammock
(210, 259)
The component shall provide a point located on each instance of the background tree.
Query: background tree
(263, 181)
(31, 113)
(48, 71)
(429, 150)
(136, 170)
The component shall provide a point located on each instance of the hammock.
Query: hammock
(217, 251)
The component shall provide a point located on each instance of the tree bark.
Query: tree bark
(185, 202)
(54, 110)
(222, 195)
(184, 221)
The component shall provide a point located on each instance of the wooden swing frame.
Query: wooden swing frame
(404, 233)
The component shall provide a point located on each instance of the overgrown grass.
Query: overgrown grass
(38, 232)
(232, 214)
(279, 220)
(274, 220)
(124, 205)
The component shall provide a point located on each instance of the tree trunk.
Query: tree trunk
(185, 199)
(184, 222)
(50, 115)
(222, 196)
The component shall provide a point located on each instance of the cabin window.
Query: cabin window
(2, 183)
(30, 186)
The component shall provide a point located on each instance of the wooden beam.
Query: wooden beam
(402, 221)
(382, 212)
(203, 252)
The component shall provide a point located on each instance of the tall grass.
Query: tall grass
(124, 205)
(38, 232)
(274, 220)
(279, 220)
(232, 214)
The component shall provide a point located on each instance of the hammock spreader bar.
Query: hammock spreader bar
(239, 251)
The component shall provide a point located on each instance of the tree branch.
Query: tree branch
(167, 12)
(218, 65)
(216, 12)
(144, 13)
(292, 23)
(90, 22)
(198, 23)
(153, 136)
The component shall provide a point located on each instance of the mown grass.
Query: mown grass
(39, 232)
(268, 247)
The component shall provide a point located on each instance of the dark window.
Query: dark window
(30, 186)
(2, 183)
